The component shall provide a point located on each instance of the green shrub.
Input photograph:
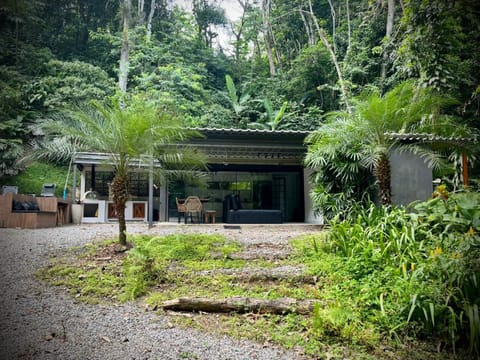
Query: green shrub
(413, 273)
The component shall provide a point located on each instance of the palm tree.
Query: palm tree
(137, 131)
(364, 136)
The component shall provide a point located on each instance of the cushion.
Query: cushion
(235, 202)
(25, 206)
(17, 205)
(33, 206)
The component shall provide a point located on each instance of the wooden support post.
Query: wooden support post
(465, 169)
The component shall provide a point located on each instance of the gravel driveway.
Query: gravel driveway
(41, 322)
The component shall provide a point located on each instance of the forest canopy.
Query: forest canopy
(287, 64)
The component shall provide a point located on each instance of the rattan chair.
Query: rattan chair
(194, 207)
(181, 209)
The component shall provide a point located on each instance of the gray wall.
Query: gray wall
(310, 217)
(411, 179)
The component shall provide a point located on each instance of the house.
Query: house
(263, 167)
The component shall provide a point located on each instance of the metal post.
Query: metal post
(150, 195)
(74, 185)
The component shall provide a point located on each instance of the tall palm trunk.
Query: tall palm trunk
(382, 174)
(120, 198)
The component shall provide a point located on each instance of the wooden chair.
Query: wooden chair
(194, 207)
(181, 209)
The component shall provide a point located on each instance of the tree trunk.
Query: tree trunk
(382, 174)
(140, 13)
(349, 27)
(333, 14)
(124, 52)
(388, 34)
(266, 34)
(241, 305)
(238, 34)
(326, 43)
(150, 19)
(120, 197)
(308, 29)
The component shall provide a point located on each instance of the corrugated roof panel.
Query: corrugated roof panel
(232, 131)
(419, 137)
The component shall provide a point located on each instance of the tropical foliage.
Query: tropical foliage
(420, 269)
(352, 143)
(353, 72)
(57, 54)
(383, 278)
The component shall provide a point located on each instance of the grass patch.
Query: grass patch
(352, 321)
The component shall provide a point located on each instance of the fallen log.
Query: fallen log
(265, 276)
(292, 275)
(241, 305)
(256, 256)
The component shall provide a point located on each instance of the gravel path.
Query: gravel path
(41, 322)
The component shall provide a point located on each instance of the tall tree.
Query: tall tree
(440, 49)
(333, 55)
(208, 15)
(125, 49)
(150, 19)
(388, 33)
(267, 35)
(238, 30)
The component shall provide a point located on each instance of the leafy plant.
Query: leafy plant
(126, 131)
(239, 103)
(272, 117)
(420, 270)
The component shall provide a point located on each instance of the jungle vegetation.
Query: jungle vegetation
(350, 71)
(285, 66)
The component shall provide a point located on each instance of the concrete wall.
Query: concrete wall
(310, 217)
(411, 179)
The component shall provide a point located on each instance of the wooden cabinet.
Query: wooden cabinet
(112, 213)
(98, 211)
(139, 210)
(134, 210)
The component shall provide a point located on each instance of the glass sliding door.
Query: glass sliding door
(281, 190)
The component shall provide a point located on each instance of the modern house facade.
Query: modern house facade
(263, 167)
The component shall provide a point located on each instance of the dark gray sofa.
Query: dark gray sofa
(233, 213)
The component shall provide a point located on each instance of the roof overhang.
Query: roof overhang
(252, 146)
(231, 146)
